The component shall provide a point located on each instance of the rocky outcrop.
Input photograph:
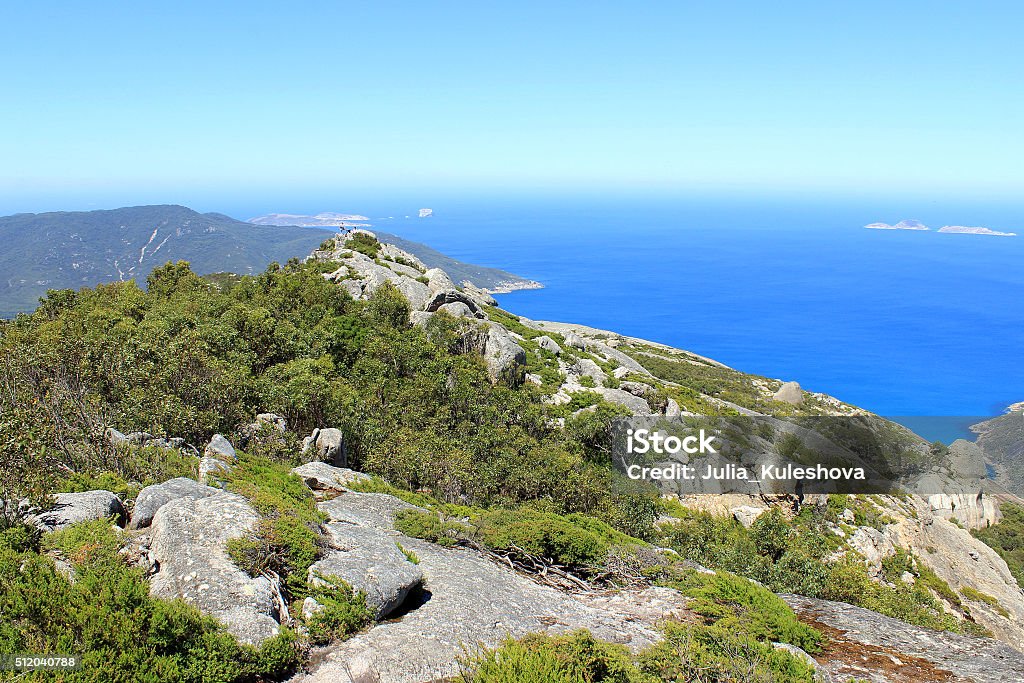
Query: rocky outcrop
(573, 340)
(454, 302)
(964, 562)
(747, 514)
(152, 498)
(636, 405)
(790, 393)
(326, 445)
(189, 546)
(504, 356)
(468, 600)
(220, 448)
(268, 424)
(369, 560)
(320, 476)
(865, 645)
(71, 508)
(548, 344)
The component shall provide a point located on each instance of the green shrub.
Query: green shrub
(978, 596)
(575, 541)
(342, 612)
(699, 654)
(430, 526)
(363, 243)
(286, 539)
(733, 603)
(1007, 539)
(574, 658)
(108, 616)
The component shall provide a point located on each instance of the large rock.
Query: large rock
(220, 448)
(790, 393)
(584, 367)
(154, 497)
(452, 296)
(505, 358)
(327, 445)
(636, 405)
(212, 470)
(469, 600)
(438, 280)
(865, 645)
(574, 340)
(71, 508)
(189, 545)
(548, 344)
(370, 561)
(320, 476)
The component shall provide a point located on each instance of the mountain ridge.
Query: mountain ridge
(73, 249)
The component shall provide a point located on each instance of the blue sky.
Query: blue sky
(136, 102)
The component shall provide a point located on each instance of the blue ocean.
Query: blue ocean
(901, 323)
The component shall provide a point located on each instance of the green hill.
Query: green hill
(72, 249)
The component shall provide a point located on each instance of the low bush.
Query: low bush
(1007, 539)
(286, 539)
(733, 603)
(574, 658)
(342, 611)
(107, 615)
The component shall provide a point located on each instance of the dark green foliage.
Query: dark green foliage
(689, 654)
(343, 611)
(574, 658)
(286, 540)
(790, 556)
(702, 654)
(574, 541)
(363, 243)
(190, 359)
(108, 616)
(736, 604)
(1007, 539)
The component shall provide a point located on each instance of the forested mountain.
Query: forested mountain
(73, 249)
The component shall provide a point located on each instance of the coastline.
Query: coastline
(512, 286)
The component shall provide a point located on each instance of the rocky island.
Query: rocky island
(902, 225)
(964, 230)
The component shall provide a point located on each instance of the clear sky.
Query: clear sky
(144, 102)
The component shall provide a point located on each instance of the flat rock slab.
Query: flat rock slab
(376, 510)
(71, 508)
(152, 498)
(869, 646)
(189, 544)
(469, 600)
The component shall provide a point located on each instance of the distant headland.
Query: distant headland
(949, 229)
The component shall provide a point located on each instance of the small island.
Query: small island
(902, 225)
(964, 230)
(948, 229)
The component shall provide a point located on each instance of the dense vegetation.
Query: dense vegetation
(494, 466)
(1007, 538)
(795, 555)
(107, 616)
(189, 359)
(83, 248)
